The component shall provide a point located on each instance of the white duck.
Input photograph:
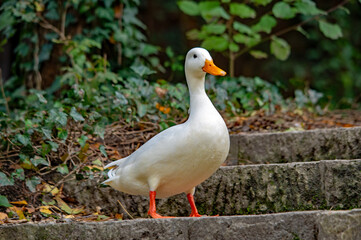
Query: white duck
(181, 157)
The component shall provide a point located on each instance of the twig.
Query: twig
(38, 78)
(45, 24)
(125, 210)
(119, 45)
(3, 94)
(63, 18)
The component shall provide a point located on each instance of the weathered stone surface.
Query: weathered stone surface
(312, 145)
(306, 225)
(247, 189)
(345, 225)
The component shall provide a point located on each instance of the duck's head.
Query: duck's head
(199, 62)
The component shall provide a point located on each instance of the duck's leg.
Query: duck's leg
(190, 197)
(152, 208)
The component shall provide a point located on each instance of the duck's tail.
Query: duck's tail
(113, 166)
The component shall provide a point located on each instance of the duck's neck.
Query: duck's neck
(199, 101)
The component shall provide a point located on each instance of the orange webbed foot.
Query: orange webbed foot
(152, 208)
(195, 215)
(156, 215)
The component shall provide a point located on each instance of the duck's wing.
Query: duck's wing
(162, 146)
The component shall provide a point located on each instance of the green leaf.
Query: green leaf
(215, 43)
(332, 31)
(102, 150)
(265, 24)
(212, 9)
(280, 48)
(242, 28)
(105, 13)
(46, 132)
(62, 134)
(97, 162)
(189, 7)
(82, 140)
(24, 140)
(242, 10)
(54, 146)
(19, 174)
(41, 98)
(283, 10)
(5, 181)
(32, 182)
(307, 7)
(233, 47)
(36, 160)
(214, 28)
(99, 130)
(57, 116)
(258, 54)
(141, 69)
(4, 202)
(249, 41)
(75, 115)
(141, 108)
(63, 169)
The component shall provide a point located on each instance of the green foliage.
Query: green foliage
(4, 202)
(239, 95)
(228, 29)
(328, 66)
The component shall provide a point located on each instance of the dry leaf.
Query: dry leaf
(50, 188)
(30, 209)
(63, 206)
(18, 212)
(45, 209)
(3, 216)
(23, 202)
(161, 92)
(119, 216)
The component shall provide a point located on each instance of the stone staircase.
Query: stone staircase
(295, 185)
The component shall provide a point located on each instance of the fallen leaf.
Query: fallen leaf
(30, 209)
(119, 216)
(46, 210)
(47, 188)
(18, 212)
(95, 146)
(65, 207)
(69, 216)
(23, 202)
(3, 216)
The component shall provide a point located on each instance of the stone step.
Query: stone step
(247, 189)
(304, 146)
(307, 225)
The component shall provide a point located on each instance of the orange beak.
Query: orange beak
(211, 68)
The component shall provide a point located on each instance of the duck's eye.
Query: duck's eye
(195, 56)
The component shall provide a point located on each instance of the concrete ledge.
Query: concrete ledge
(312, 145)
(306, 225)
(248, 189)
